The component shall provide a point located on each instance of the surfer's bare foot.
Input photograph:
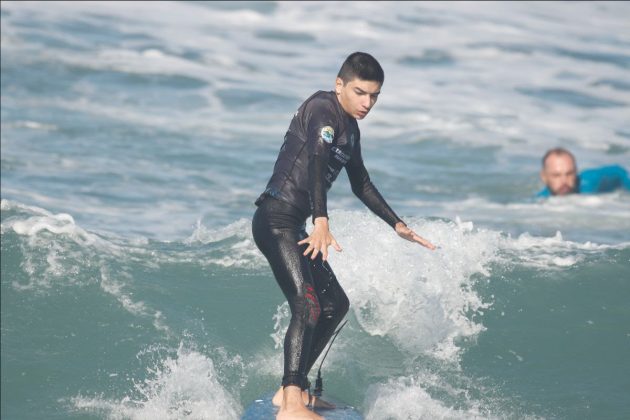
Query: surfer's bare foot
(277, 398)
(309, 400)
(293, 407)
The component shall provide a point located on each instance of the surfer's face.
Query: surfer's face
(559, 174)
(357, 96)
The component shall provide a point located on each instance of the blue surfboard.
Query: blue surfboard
(263, 409)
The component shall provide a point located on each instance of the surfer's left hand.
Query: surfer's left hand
(406, 233)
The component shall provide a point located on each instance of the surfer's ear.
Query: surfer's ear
(339, 84)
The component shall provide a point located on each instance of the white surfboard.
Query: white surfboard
(263, 409)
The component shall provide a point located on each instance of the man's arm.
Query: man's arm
(319, 152)
(321, 133)
(365, 190)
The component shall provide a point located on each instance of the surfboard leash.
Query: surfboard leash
(319, 383)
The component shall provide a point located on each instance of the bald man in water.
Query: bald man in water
(560, 176)
(559, 172)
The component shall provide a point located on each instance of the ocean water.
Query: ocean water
(136, 136)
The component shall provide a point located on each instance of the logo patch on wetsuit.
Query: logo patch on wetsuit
(328, 134)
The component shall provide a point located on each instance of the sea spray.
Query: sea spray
(184, 384)
(135, 139)
(421, 299)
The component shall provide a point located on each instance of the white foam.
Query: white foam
(41, 228)
(37, 223)
(70, 251)
(407, 398)
(204, 235)
(281, 323)
(187, 385)
(551, 252)
(426, 395)
(599, 217)
(56, 250)
(480, 104)
(68, 246)
(240, 251)
(33, 125)
(419, 299)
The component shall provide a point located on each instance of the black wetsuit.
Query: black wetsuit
(321, 140)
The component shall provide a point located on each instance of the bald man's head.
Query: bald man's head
(559, 171)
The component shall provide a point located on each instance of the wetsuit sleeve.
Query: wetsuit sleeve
(363, 188)
(604, 179)
(321, 132)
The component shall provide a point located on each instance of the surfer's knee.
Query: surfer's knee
(336, 309)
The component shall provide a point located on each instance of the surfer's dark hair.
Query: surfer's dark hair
(557, 151)
(362, 66)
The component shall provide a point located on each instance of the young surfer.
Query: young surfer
(322, 139)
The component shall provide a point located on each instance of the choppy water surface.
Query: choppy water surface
(136, 136)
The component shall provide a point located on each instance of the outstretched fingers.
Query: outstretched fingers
(423, 241)
(310, 248)
(316, 246)
(405, 232)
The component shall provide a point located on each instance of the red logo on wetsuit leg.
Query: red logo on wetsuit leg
(313, 304)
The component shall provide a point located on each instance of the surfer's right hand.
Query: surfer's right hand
(320, 239)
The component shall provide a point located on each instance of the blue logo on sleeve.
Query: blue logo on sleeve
(328, 134)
